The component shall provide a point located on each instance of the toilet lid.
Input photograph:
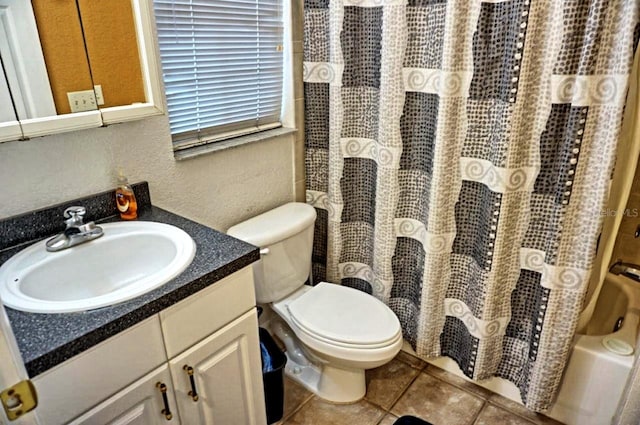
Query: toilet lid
(345, 315)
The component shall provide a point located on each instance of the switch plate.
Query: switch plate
(81, 101)
(99, 96)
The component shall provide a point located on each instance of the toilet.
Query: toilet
(332, 333)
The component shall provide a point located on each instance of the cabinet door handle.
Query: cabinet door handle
(193, 393)
(166, 411)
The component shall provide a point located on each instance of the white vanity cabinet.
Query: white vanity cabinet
(207, 342)
(222, 376)
(141, 403)
(75, 386)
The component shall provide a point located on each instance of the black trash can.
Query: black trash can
(274, 379)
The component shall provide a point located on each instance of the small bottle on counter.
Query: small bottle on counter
(125, 199)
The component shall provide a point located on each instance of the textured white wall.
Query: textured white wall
(218, 189)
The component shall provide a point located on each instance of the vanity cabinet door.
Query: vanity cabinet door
(225, 372)
(141, 403)
(82, 382)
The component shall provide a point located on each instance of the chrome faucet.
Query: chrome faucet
(629, 270)
(76, 232)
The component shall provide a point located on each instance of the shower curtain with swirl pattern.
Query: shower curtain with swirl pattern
(458, 153)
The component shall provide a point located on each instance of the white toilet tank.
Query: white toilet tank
(286, 233)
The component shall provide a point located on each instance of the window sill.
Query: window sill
(231, 143)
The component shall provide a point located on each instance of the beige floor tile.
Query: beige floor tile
(318, 412)
(438, 402)
(458, 381)
(520, 410)
(493, 415)
(294, 396)
(386, 383)
(412, 361)
(388, 419)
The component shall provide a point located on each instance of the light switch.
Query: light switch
(81, 101)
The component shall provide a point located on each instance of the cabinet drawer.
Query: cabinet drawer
(203, 313)
(85, 380)
(139, 403)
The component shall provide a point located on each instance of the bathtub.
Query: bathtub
(595, 376)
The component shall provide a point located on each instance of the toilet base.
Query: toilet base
(330, 383)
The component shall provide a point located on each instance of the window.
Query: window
(222, 66)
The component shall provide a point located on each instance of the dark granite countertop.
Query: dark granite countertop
(46, 340)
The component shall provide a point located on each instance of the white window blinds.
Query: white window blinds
(222, 66)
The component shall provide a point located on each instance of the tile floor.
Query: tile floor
(408, 386)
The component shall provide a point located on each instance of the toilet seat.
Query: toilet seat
(344, 317)
(329, 342)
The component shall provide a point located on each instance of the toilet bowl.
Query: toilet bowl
(370, 337)
(332, 333)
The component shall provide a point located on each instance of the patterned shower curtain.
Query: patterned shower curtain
(458, 153)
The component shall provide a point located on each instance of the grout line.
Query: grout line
(384, 411)
(424, 366)
(395, 400)
(520, 415)
(384, 416)
(458, 387)
(373, 403)
(300, 405)
(487, 400)
(475, 418)
(403, 392)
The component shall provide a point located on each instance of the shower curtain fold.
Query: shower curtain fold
(458, 154)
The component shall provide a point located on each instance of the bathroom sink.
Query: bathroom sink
(131, 259)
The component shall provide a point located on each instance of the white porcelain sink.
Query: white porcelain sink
(132, 258)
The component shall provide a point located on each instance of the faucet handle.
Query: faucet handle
(74, 215)
(74, 212)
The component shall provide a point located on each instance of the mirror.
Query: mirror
(22, 60)
(72, 64)
(9, 125)
(7, 111)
